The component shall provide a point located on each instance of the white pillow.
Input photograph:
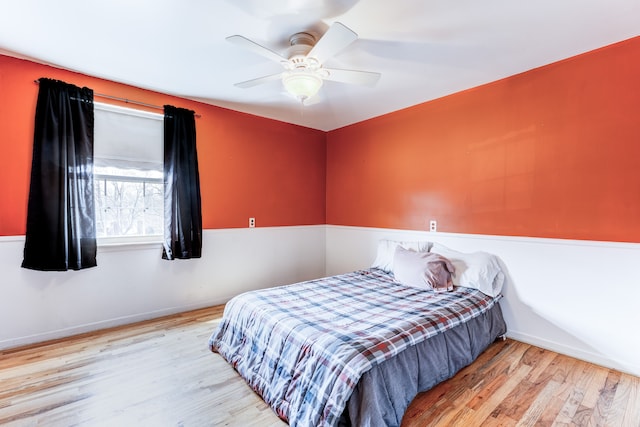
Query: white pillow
(409, 267)
(387, 250)
(478, 270)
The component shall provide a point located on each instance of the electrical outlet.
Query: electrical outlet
(433, 225)
(252, 222)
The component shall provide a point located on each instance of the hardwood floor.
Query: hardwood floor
(161, 373)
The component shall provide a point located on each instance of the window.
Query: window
(128, 203)
(129, 190)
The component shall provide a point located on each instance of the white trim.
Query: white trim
(264, 229)
(151, 242)
(109, 243)
(136, 245)
(18, 238)
(539, 240)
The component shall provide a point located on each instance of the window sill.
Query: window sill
(129, 243)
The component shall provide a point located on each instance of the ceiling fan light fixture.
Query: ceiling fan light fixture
(302, 84)
(304, 72)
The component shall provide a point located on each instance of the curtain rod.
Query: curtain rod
(125, 100)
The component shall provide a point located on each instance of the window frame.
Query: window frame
(131, 240)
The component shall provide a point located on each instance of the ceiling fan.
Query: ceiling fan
(304, 72)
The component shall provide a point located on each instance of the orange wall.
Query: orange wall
(553, 152)
(249, 166)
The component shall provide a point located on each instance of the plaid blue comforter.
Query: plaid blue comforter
(304, 347)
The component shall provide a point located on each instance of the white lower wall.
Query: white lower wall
(133, 283)
(574, 297)
(579, 298)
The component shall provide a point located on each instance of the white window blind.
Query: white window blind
(126, 138)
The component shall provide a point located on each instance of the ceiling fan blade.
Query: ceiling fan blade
(256, 48)
(258, 81)
(337, 37)
(366, 78)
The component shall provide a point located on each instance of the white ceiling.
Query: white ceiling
(425, 49)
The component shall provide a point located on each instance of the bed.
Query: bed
(353, 349)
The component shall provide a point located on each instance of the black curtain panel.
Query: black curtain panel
(61, 232)
(182, 205)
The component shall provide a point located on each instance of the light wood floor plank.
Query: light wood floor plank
(161, 373)
(632, 408)
(540, 405)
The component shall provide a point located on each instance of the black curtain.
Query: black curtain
(182, 205)
(61, 232)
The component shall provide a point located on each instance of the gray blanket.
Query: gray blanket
(384, 392)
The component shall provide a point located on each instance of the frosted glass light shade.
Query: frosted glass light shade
(302, 85)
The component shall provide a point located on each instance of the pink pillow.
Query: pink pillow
(423, 270)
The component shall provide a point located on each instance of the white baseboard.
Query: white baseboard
(104, 324)
(574, 352)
